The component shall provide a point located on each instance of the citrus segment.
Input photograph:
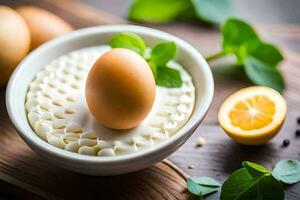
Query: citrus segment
(253, 115)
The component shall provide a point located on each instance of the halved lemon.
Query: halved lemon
(253, 115)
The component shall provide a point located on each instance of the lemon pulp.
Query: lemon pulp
(253, 115)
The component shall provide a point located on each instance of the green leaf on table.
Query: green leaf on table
(213, 11)
(129, 41)
(270, 189)
(242, 186)
(263, 74)
(193, 187)
(168, 77)
(236, 34)
(162, 53)
(202, 186)
(265, 52)
(157, 11)
(208, 181)
(287, 171)
(254, 169)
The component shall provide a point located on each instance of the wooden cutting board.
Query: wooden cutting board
(25, 174)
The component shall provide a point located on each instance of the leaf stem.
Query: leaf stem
(214, 56)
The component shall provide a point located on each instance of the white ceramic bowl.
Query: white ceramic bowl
(17, 87)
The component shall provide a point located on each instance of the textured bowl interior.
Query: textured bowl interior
(35, 61)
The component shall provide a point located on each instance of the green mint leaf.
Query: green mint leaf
(287, 171)
(270, 189)
(265, 52)
(242, 186)
(235, 36)
(129, 41)
(201, 189)
(157, 11)
(162, 53)
(259, 59)
(207, 181)
(237, 185)
(153, 69)
(168, 77)
(263, 74)
(193, 187)
(255, 170)
(213, 11)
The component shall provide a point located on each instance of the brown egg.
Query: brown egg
(120, 89)
(14, 42)
(43, 25)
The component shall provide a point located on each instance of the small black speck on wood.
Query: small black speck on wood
(297, 132)
(298, 120)
(285, 143)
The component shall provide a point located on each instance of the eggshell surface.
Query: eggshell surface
(14, 42)
(120, 89)
(43, 25)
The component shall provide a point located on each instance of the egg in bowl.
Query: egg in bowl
(27, 71)
(58, 112)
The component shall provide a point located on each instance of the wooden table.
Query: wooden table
(218, 158)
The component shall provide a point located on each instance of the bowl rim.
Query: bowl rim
(207, 96)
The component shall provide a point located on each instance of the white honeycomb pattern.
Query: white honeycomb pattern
(58, 114)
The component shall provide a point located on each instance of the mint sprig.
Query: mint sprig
(162, 11)
(252, 181)
(258, 59)
(157, 59)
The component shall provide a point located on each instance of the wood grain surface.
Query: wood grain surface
(35, 178)
(23, 168)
